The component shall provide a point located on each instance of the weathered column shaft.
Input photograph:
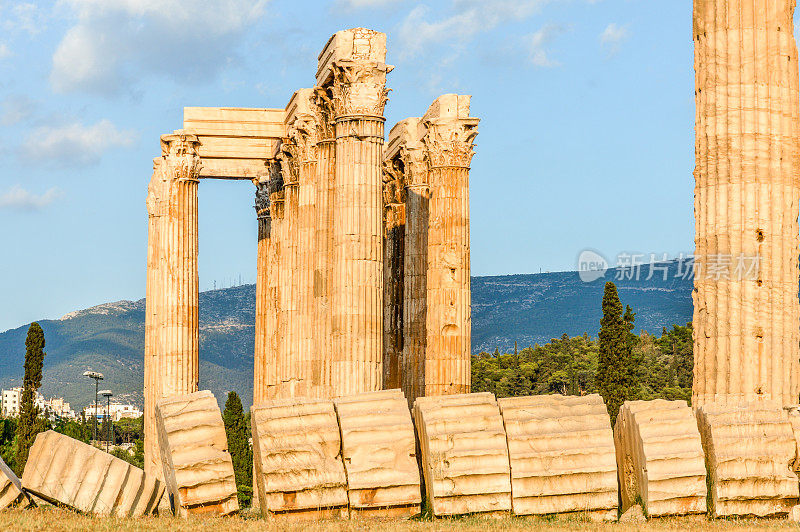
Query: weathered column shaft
(393, 258)
(357, 294)
(306, 233)
(746, 319)
(356, 79)
(322, 376)
(447, 362)
(172, 343)
(415, 290)
(290, 364)
(264, 377)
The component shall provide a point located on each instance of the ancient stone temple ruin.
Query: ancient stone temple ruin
(363, 252)
(746, 319)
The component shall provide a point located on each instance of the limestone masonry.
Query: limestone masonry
(198, 470)
(746, 323)
(67, 472)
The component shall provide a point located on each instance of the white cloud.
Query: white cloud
(360, 4)
(4, 51)
(113, 44)
(613, 36)
(538, 42)
(469, 18)
(75, 144)
(22, 16)
(17, 198)
(16, 109)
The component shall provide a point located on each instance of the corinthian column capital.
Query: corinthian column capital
(359, 88)
(393, 183)
(450, 141)
(181, 160)
(414, 157)
(288, 162)
(262, 184)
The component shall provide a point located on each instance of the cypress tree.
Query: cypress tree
(238, 446)
(616, 366)
(29, 424)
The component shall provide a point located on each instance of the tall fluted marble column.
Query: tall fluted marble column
(415, 261)
(393, 253)
(302, 150)
(746, 309)
(323, 264)
(264, 368)
(171, 323)
(449, 145)
(359, 96)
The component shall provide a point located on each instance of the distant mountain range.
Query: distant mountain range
(528, 309)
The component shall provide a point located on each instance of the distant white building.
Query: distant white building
(12, 399)
(117, 411)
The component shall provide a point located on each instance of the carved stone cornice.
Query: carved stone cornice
(393, 183)
(359, 88)
(449, 142)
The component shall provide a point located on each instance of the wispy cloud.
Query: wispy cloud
(468, 19)
(22, 17)
(113, 44)
(16, 109)
(5, 51)
(75, 144)
(613, 36)
(17, 198)
(361, 4)
(539, 55)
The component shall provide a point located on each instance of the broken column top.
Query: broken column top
(355, 44)
(455, 106)
(408, 132)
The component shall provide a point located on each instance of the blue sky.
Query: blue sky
(586, 135)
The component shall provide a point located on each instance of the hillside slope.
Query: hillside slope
(527, 308)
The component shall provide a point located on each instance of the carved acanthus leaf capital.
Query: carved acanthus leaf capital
(303, 134)
(450, 142)
(415, 165)
(393, 183)
(359, 88)
(288, 159)
(262, 184)
(323, 108)
(180, 154)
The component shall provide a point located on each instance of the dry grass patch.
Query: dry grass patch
(52, 519)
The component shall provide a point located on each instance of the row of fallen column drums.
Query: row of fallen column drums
(357, 455)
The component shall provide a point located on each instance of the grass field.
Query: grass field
(63, 520)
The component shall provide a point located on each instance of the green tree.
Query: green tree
(29, 424)
(617, 367)
(239, 447)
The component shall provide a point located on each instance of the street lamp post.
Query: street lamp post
(97, 378)
(107, 394)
